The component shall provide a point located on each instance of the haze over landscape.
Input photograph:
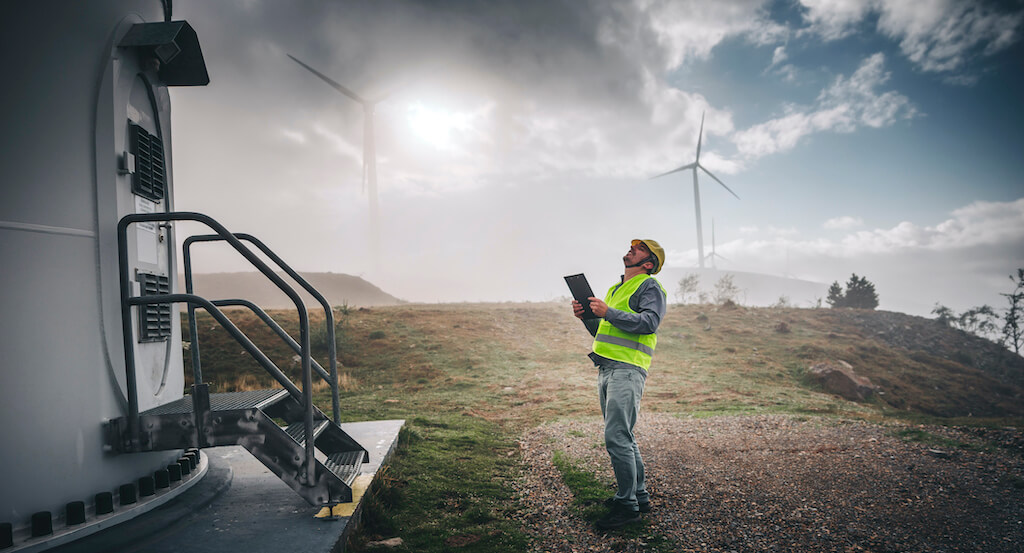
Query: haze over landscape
(879, 137)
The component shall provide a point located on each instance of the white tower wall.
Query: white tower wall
(67, 99)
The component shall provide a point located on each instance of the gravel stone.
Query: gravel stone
(789, 483)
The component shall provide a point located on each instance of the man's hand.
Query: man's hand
(577, 309)
(598, 307)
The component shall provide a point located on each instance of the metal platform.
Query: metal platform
(254, 399)
(252, 419)
(241, 506)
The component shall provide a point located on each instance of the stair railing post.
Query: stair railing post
(307, 391)
(332, 352)
(134, 437)
(193, 332)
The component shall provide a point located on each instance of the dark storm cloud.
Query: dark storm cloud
(562, 51)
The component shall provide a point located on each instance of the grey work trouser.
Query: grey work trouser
(620, 391)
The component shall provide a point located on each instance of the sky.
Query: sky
(517, 141)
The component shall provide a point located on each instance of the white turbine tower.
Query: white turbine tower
(369, 154)
(696, 190)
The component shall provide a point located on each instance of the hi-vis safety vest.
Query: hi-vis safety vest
(612, 343)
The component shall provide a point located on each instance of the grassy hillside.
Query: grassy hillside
(526, 363)
(470, 379)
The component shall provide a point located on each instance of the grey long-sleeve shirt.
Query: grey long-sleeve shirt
(650, 304)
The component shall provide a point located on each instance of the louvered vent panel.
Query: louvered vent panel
(154, 319)
(150, 177)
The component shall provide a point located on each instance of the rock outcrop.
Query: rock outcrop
(839, 378)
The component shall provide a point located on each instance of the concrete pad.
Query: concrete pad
(241, 506)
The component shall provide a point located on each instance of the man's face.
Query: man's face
(636, 254)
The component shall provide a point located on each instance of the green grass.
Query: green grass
(589, 495)
(588, 492)
(928, 438)
(449, 487)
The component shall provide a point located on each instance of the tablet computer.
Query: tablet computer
(582, 293)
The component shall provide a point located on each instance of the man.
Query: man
(624, 342)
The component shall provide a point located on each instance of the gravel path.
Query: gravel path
(782, 483)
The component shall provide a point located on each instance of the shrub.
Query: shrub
(859, 294)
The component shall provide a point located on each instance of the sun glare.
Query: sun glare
(436, 127)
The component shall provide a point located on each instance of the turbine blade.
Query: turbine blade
(683, 168)
(700, 135)
(329, 81)
(718, 180)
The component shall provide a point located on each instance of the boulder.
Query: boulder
(839, 378)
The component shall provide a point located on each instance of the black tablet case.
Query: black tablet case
(581, 292)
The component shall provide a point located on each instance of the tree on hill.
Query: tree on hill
(979, 321)
(860, 294)
(726, 289)
(1013, 333)
(688, 286)
(984, 321)
(944, 314)
(836, 297)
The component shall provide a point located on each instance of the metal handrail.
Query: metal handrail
(236, 333)
(332, 350)
(270, 322)
(127, 301)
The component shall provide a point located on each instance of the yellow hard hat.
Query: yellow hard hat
(656, 250)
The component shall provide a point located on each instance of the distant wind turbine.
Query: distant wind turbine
(369, 152)
(696, 190)
(713, 255)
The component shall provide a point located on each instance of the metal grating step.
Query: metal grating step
(222, 402)
(298, 431)
(345, 465)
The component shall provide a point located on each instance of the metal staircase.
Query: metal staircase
(282, 428)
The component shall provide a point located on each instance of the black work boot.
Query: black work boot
(644, 506)
(619, 515)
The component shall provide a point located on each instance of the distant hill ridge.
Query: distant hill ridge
(754, 289)
(337, 288)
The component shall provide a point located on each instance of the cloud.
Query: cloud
(835, 20)
(844, 106)
(779, 56)
(977, 225)
(845, 222)
(690, 30)
(937, 36)
(787, 71)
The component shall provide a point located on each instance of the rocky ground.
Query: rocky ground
(784, 483)
(917, 333)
